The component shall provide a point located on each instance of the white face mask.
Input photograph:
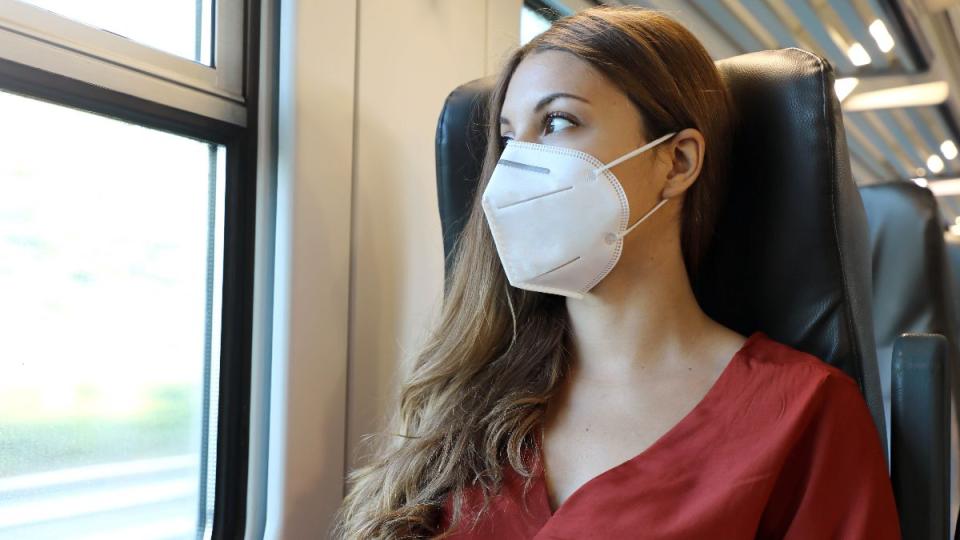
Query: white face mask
(558, 216)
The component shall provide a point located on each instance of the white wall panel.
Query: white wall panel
(410, 55)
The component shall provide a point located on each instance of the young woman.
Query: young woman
(574, 388)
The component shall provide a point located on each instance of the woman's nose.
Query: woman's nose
(530, 136)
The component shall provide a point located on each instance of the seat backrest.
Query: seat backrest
(952, 243)
(912, 289)
(790, 256)
(913, 293)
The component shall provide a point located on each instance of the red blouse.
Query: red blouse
(781, 446)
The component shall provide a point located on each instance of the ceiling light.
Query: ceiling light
(880, 34)
(858, 55)
(914, 95)
(922, 182)
(844, 86)
(948, 149)
(935, 164)
(946, 188)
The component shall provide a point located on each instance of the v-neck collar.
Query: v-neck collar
(540, 485)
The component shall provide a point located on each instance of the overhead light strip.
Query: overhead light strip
(913, 95)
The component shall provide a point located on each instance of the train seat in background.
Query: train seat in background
(791, 254)
(952, 243)
(912, 293)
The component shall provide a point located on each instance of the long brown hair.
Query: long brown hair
(480, 386)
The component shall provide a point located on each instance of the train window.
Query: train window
(127, 228)
(110, 267)
(532, 22)
(180, 27)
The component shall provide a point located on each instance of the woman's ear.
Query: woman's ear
(686, 159)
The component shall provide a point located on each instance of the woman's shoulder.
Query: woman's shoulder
(801, 401)
(831, 479)
(763, 352)
(773, 364)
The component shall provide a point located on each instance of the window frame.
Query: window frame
(33, 36)
(239, 136)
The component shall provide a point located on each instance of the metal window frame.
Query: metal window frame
(32, 77)
(42, 39)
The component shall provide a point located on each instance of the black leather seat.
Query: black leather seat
(911, 273)
(791, 256)
(912, 293)
(952, 243)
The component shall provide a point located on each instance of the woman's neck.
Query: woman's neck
(643, 315)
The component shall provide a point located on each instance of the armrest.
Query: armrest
(920, 435)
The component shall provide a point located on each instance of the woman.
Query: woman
(574, 388)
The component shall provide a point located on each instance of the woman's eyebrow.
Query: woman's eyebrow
(546, 101)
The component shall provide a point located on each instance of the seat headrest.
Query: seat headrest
(790, 255)
(911, 278)
(952, 243)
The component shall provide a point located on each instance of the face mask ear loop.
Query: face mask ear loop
(632, 153)
(641, 220)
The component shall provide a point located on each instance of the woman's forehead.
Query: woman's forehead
(549, 72)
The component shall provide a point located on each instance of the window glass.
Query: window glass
(180, 27)
(110, 265)
(531, 24)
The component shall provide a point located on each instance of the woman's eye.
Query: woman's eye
(556, 122)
